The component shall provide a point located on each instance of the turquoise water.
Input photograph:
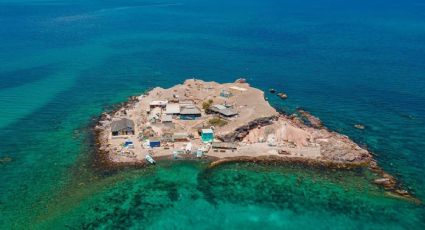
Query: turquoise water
(348, 62)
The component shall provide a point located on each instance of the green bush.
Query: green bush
(216, 121)
(207, 104)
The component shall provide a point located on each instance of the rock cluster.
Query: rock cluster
(282, 96)
(312, 120)
(242, 131)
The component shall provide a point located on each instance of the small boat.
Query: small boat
(150, 159)
(199, 153)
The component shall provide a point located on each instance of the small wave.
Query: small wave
(80, 17)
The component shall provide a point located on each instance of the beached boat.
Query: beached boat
(150, 159)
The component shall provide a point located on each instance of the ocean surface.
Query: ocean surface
(64, 62)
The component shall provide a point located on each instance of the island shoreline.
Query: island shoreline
(102, 161)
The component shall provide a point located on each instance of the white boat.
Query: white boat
(199, 153)
(188, 147)
(150, 159)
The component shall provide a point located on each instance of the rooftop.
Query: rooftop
(190, 110)
(172, 109)
(124, 123)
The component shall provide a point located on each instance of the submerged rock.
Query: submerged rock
(282, 96)
(272, 90)
(6, 159)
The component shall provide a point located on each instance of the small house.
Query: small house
(154, 143)
(158, 104)
(207, 135)
(189, 112)
(122, 127)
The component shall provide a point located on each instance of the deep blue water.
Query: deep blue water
(63, 62)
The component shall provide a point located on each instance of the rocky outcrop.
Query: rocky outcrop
(282, 96)
(4, 160)
(242, 131)
(240, 80)
(311, 120)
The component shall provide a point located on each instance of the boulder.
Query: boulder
(282, 96)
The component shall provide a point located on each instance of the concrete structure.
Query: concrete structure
(172, 109)
(122, 127)
(160, 104)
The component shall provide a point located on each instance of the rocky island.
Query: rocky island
(223, 123)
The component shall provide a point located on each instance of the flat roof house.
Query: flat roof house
(160, 104)
(172, 109)
(122, 127)
(222, 110)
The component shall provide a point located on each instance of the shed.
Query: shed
(207, 135)
(154, 143)
(122, 127)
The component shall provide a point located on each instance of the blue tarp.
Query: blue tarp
(154, 144)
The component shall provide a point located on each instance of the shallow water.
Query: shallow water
(348, 62)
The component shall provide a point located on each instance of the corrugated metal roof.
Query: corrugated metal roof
(207, 131)
(190, 110)
(122, 124)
